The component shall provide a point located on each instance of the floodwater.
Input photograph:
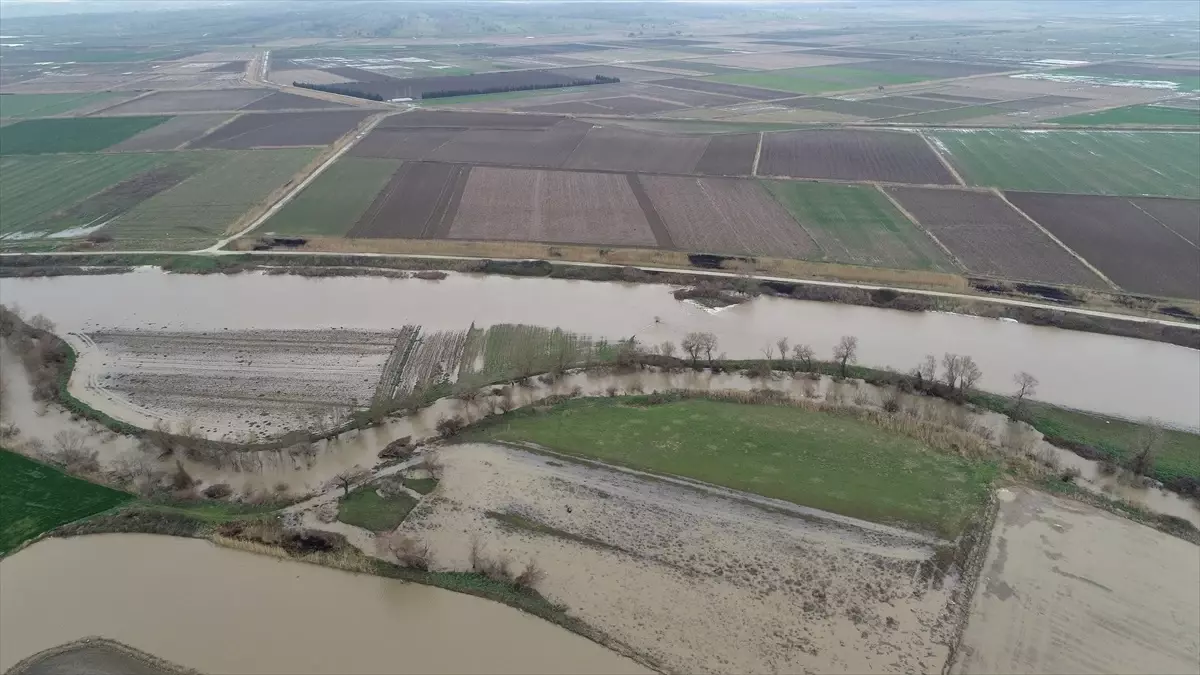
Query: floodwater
(1100, 373)
(218, 610)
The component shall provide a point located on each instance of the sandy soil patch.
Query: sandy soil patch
(698, 580)
(1068, 588)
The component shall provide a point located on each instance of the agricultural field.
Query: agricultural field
(333, 203)
(890, 156)
(1125, 242)
(283, 130)
(45, 105)
(81, 134)
(615, 149)
(709, 85)
(1089, 162)
(365, 507)
(1184, 79)
(419, 201)
(989, 237)
(173, 133)
(856, 224)
(618, 105)
(36, 187)
(550, 147)
(1181, 216)
(36, 498)
(196, 212)
(817, 79)
(1149, 115)
(393, 88)
(897, 480)
(551, 206)
(507, 351)
(713, 215)
(168, 102)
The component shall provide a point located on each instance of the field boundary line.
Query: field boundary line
(757, 155)
(184, 145)
(1168, 227)
(1068, 249)
(114, 105)
(347, 141)
(916, 223)
(942, 158)
(658, 226)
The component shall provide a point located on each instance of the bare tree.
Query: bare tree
(346, 479)
(768, 352)
(846, 352)
(709, 345)
(951, 369)
(927, 371)
(970, 375)
(408, 551)
(803, 354)
(693, 344)
(782, 345)
(1146, 444)
(667, 349)
(1026, 386)
(40, 322)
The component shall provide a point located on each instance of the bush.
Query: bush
(529, 577)
(218, 491)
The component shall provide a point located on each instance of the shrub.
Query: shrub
(529, 577)
(218, 491)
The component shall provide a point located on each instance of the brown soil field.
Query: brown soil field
(282, 101)
(635, 105)
(852, 155)
(626, 74)
(913, 103)
(616, 149)
(172, 133)
(714, 215)
(690, 97)
(518, 147)
(302, 74)
(419, 202)
(1129, 246)
(569, 107)
(551, 206)
(938, 69)
(468, 120)
(1070, 588)
(189, 101)
(775, 61)
(283, 129)
(231, 67)
(728, 155)
(868, 109)
(700, 67)
(1181, 216)
(753, 93)
(956, 98)
(389, 87)
(1037, 102)
(402, 144)
(991, 238)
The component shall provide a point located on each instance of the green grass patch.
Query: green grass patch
(36, 498)
(35, 187)
(333, 203)
(366, 509)
(816, 79)
(857, 224)
(1182, 81)
(1082, 162)
(42, 105)
(420, 485)
(201, 209)
(820, 460)
(1136, 114)
(72, 134)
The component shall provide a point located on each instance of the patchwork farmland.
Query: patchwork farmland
(896, 157)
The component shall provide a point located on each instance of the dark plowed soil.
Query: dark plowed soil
(957, 99)
(689, 97)
(728, 155)
(282, 101)
(869, 109)
(912, 103)
(615, 149)
(657, 226)
(516, 147)
(635, 105)
(283, 130)
(231, 67)
(189, 101)
(416, 87)
(1128, 245)
(852, 155)
(1036, 102)
(435, 119)
(990, 238)
(402, 144)
(753, 93)
(1181, 216)
(419, 202)
(570, 108)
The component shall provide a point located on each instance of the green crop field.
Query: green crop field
(857, 224)
(36, 498)
(816, 79)
(333, 203)
(71, 134)
(34, 188)
(1183, 82)
(815, 459)
(1085, 162)
(1137, 114)
(42, 105)
(197, 211)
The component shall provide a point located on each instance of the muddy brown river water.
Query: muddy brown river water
(1100, 373)
(218, 610)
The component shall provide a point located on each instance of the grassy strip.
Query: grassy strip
(516, 521)
(366, 509)
(785, 452)
(36, 498)
(1172, 525)
(420, 485)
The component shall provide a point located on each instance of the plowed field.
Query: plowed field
(716, 215)
(419, 202)
(991, 238)
(896, 157)
(614, 149)
(1124, 242)
(283, 130)
(551, 206)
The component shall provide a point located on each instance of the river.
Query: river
(1118, 376)
(218, 610)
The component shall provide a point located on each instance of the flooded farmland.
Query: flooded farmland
(1106, 374)
(218, 610)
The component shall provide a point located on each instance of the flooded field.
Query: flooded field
(218, 610)
(1119, 376)
(1070, 588)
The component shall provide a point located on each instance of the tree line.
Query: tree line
(447, 93)
(339, 89)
